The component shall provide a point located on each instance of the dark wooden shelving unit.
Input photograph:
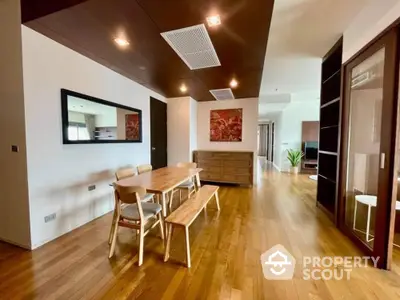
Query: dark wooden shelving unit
(329, 130)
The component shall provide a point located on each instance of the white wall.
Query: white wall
(14, 205)
(249, 133)
(182, 124)
(178, 116)
(372, 20)
(289, 128)
(193, 127)
(59, 175)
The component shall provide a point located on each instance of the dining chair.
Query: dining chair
(188, 185)
(125, 173)
(135, 216)
(144, 168)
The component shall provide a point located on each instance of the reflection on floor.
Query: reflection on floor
(226, 251)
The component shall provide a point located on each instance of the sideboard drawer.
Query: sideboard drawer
(245, 179)
(209, 176)
(211, 169)
(225, 166)
(208, 163)
(236, 171)
(237, 164)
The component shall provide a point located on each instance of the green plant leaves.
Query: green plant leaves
(294, 156)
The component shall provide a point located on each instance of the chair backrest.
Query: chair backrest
(187, 165)
(144, 168)
(130, 195)
(124, 173)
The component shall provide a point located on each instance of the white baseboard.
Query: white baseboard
(276, 167)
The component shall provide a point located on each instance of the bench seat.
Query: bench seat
(185, 215)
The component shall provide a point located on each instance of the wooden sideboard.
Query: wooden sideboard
(225, 166)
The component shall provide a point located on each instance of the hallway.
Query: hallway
(226, 251)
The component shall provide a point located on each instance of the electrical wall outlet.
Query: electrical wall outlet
(91, 188)
(49, 218)
(14, 148)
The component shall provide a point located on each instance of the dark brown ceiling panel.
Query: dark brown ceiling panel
(31, 9)
(89, 28)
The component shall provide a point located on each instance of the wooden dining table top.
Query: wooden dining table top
(160, 180)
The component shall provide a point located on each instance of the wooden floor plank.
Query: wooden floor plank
(226, 248)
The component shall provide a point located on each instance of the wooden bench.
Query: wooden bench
(185, 214)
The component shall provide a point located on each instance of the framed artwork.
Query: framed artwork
(132, 127)
(226, 125)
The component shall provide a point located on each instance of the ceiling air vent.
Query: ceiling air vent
(194, 46)
(222, 94)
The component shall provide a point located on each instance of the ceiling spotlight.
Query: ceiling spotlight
(214, 20)
(183, 88)
(121, 42)
(233, 83)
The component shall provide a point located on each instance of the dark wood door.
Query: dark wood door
(368, 145)
(158, 124)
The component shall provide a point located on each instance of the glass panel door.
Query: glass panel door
(364, 146)
(368, 144)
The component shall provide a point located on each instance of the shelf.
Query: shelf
(329, 115)
(328, 153)
(330, 77)
(324, 177)
(330, 102)
(327, 127)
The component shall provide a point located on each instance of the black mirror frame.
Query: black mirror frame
(64, 110)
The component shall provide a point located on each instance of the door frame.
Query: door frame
(385, 211)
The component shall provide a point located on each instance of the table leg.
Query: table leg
(164, 205)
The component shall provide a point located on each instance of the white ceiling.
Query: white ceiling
(301, 33)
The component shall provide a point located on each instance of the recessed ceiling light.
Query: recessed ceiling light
(121, 42)
(183, 88)
(233, 83)
(214, 20)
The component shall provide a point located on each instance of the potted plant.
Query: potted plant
(294, 157)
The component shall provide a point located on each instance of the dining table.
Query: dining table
(162, 181)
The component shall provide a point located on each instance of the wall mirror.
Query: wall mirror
(89, 120)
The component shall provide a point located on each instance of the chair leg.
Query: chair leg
(368, 223)
(217, 200)
(187, 247)
(161, 224)
(191, 191)
(141, 245)
(180, 196)
(171, 198)
(168, 246)
(137, 232)
(112, 227)
(114, 240)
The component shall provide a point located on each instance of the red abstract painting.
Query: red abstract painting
(132, 127)
(226, 125)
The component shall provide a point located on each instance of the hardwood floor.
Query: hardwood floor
(226, 249)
